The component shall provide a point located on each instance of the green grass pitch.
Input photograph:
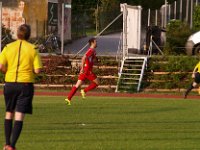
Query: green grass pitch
(109, 123)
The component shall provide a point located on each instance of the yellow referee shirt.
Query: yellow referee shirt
(20, 62)
(197, 68)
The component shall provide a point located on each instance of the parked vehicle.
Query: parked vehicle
(193, 44)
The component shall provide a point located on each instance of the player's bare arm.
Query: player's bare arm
(3, 68)
(194, 71)
(83, 63)
(37, 71)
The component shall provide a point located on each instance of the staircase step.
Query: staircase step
(132, 69)
(133, 61)
(129, 83)
(132, 65)
(127, 87)
(130, 74)
(129, 79)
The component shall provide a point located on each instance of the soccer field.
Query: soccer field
(109, 123)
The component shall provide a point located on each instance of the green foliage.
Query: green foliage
(170, 72)
(112, 8)
(2, 77)
(40, 78)
(196, 18)
(177, 35)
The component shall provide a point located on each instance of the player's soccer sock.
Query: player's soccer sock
(72, 92)
(188, 90)
(16, 132)
(8, 130)
(90, 87)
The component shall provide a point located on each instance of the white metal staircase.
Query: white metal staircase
(131, 74)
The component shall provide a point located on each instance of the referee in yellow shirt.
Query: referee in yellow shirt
(196, 76)
(20, 62)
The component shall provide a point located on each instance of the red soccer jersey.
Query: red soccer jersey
(89, 61)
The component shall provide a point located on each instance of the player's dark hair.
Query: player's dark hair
(91, 41)
(24, 32)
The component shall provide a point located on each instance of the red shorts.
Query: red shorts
(90, 76)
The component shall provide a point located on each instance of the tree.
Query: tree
(196, 18)
(111, 7)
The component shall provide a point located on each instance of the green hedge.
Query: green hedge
(176, 72)
(177, 35)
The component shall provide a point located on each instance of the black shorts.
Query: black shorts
(18, 97)
(197, 77)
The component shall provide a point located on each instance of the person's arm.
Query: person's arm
(195, 69)
(37, 71)
(3, 61)
(3, 68)
(37, 64)
(82, 64)
(96, 59)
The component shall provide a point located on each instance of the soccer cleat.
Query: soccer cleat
(185, 95)
(8, 147)
(83, 94)
(5, 147)
(67, 101)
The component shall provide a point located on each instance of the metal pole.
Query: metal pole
(156, 18)
(169, 13)
(191, 15)
(125, 45)
(97, 17)
(175, 10)
(62, 29)
(181, 7)
(149, 16)
(196, 2)
(109, 25)
(187, 10)
(163, 17)
(165, 13)
(0, 23)
(99, 34)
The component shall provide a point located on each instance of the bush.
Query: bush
(177, 35)
(175, 71)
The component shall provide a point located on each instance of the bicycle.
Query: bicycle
(6, 39)
(49, 44)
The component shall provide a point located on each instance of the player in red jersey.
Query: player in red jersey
(86, 72)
